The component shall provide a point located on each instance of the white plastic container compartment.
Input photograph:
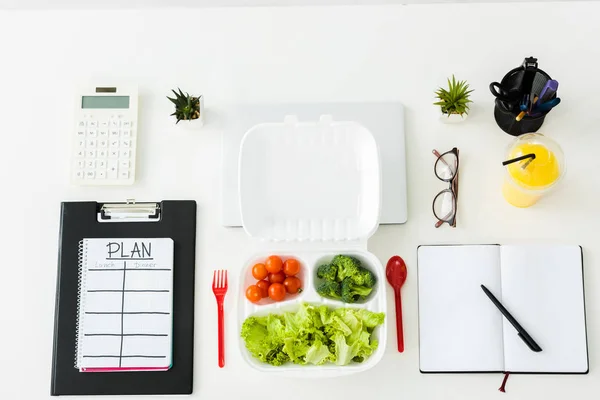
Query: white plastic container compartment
(310, 191)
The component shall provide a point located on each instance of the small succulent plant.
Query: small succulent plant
(186, 107)
(455, 99)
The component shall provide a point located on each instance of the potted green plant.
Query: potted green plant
(454, 101)
(188, 109)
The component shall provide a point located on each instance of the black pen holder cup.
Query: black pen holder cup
(506, 117)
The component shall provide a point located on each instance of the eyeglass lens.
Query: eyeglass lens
(444, 205)
(446, 166)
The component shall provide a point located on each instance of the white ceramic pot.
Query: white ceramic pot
(453, 118)
(190, 125)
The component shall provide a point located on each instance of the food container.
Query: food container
(310, 190)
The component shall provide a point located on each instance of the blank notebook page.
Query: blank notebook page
(125, 317)
(460, 330)
(542, 287)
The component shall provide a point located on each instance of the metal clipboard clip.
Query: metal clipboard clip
(130, 211)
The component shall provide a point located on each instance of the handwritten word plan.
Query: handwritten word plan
(125, 317)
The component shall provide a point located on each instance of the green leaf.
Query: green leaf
(455, 98)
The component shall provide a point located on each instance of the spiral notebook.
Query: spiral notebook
(125, 311)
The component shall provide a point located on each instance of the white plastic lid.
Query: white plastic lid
(316, 181)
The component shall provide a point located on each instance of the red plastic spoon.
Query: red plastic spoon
(396, 272)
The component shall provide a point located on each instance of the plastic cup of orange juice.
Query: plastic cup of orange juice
(528, 180)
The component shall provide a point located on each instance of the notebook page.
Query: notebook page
(126, 304)
(460, 329)
(542, 287)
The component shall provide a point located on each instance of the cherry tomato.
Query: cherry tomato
(259, 272)
(264, 288)
(273, 264)
(253, 293)
(291, 267)
(278, 277)
(277, 291)
(292, 284)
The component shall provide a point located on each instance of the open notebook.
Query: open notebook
(125, 319)
(462, 331)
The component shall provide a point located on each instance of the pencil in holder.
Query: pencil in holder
(527, 79)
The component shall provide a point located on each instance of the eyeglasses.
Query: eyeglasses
(444, 204)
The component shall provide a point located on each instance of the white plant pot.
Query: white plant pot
(193, 124)
(190, 125)
(453, 118)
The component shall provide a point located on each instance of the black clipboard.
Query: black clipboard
(175, 219)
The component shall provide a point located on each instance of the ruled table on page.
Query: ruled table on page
(126, 304)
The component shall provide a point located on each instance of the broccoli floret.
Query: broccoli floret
(327, 271)
(329, 289)
(346, 266)
(351, 292)
(364, 277)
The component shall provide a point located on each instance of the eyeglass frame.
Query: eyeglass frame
(452, 188)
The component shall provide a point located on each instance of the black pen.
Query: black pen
(521, 332)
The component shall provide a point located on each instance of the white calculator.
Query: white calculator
(105, 138)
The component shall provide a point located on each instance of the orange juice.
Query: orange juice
(528, 180)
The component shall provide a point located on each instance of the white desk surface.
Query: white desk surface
(292, 54)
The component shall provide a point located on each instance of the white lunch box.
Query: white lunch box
(310, 191)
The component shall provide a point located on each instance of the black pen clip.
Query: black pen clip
(530, 342)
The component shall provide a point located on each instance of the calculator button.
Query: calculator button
(91, 143)
(102, 153)
(126, 133)
(114, 143)
(125, 153)
(123, 174)
(126, 124)
(103, 124)
(79, 174)
(103, 133)
(90, 164)
(90, 174)
(80, 164)
(81, 124)
(81, 143)
(115, 123)
(126, 144)
(92, 132)
(92, 124)
(112, 164)
(124, 164)
(114, 133)
(101, 174)
(103, 143)
(90, 153)
(101, 164)
(80, 153)
(113, 154)
(81, 133)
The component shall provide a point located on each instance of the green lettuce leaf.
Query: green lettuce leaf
(369, 318)
(318, 354)
(344, 353)
(312, 335)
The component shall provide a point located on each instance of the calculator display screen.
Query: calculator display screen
(105, 102)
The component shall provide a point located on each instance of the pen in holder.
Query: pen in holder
(526, 81)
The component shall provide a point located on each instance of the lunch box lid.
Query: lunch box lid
(315, 181)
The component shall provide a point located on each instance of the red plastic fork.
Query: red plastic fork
(219, 287)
